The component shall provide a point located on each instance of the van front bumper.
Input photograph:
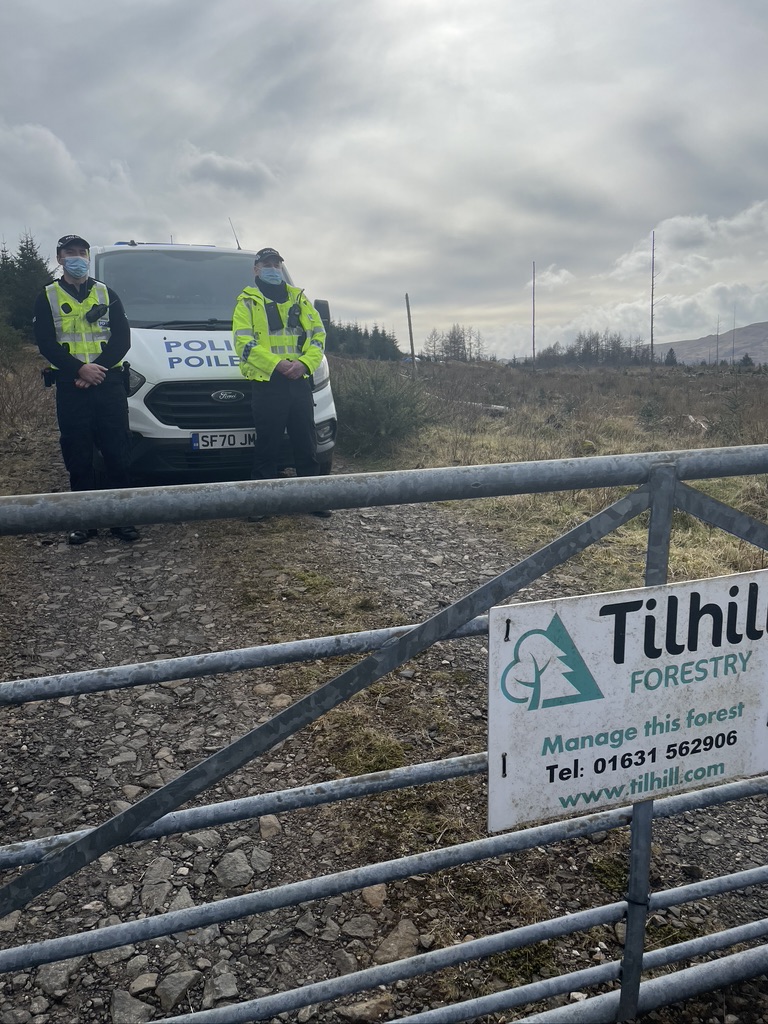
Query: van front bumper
(175, 460)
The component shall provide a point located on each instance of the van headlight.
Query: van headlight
(321, 375)
(135, 381)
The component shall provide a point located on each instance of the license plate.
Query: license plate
(213, 440)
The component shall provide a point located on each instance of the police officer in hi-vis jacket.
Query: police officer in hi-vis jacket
(280, 340)
(82, 330)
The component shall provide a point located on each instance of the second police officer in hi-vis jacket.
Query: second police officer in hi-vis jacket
(280, 340)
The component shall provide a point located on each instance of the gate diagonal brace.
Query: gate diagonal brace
(715, 513)
(63, 863)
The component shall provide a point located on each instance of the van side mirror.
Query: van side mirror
(322, 307)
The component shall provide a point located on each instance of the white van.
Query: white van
(189, 407)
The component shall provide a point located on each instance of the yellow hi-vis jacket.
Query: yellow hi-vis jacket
(83, 340)
(259, 349)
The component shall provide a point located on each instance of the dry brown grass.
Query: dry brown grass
(561, 414)
(24, 403)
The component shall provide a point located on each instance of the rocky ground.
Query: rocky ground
(187, 589)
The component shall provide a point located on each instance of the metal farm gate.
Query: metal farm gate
(656, 482)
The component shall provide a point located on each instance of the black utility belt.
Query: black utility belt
(53, 376)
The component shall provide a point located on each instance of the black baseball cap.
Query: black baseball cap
(67, 240)
(264, 254)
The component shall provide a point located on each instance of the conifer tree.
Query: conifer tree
(359, 342)
(7, 273)
(30, 274)
(22, 276)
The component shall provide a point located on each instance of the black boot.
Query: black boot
(126, 533)
(81, 536)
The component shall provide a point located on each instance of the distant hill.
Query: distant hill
(751, 340)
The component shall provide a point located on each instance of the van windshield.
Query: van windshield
(176, 287)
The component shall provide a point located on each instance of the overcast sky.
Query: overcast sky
(432, 147)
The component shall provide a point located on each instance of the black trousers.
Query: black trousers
(278, 405)
(94, 417)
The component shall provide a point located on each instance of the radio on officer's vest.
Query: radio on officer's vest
(96, 313)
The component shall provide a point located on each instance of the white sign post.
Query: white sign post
(615, 698)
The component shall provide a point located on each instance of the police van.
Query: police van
(189, 407)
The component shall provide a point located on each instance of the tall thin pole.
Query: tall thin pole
(410, 335)
(717, 344)
(733, 338)
(533, 317)
(653, 286)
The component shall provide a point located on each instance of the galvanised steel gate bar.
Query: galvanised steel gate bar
(39, 513)
(662, 482)
(664, 990)
(228, 811)
(600, 1008)
(98, 680)
(662, 471)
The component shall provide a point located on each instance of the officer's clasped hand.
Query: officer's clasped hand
(293, 369)
(91, 374)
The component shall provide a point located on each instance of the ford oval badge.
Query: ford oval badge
(227, 396)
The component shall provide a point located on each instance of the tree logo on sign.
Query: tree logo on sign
(548, 671)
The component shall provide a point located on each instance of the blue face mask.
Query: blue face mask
(76, 266)
(271, 275)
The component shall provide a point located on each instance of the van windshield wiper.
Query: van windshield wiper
(210, 322)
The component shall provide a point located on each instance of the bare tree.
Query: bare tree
(433, 345)
(455, 343)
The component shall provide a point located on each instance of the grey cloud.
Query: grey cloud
(686, 233)
(721, 300)
(227, 172)
(552, 276)
(35, 160)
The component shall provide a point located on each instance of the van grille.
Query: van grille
(230, 462)
(190, 405)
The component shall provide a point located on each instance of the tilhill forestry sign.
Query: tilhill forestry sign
(609, 699)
